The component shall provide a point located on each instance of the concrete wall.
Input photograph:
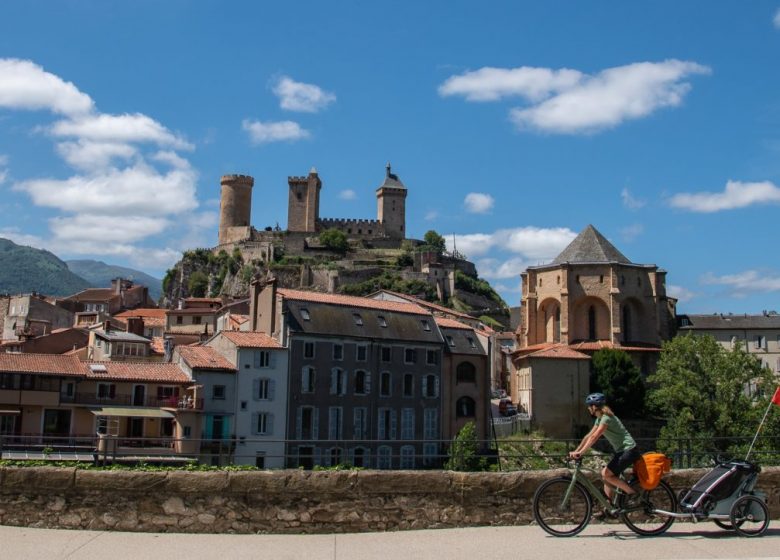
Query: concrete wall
(288, 501)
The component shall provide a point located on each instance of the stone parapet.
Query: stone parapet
(285, 501)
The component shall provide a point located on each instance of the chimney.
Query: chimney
(135, 325)
(106, 325)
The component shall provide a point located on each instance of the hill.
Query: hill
(25, 269)
(100, 274)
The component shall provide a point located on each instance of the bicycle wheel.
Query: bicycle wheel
(749, 516)
(559, 515)
(641, 517)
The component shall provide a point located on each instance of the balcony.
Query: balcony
(179, 403)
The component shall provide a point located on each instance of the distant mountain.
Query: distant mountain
(25, 269)
(100, 274)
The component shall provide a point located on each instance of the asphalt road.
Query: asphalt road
(602, 542)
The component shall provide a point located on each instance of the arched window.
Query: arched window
(361, 383)
(591, 323)
(627, 334)
(465, 408)
(359, 457)
(466, 373)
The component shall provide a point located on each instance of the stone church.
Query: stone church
(589, 297)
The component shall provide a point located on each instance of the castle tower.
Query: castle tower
(391, 205)
(235, 208)
(303, 209)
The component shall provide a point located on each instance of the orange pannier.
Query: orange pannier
(650, 467)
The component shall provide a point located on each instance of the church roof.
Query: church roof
(391, 180)
(590, 247)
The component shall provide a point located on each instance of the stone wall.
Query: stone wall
(286, 501)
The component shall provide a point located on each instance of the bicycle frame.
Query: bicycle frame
(592, 489)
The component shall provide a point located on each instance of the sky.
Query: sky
(512, 124)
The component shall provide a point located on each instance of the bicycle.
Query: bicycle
(563, 505)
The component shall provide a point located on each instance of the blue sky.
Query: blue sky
(512, 124)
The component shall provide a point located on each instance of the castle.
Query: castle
(303, 215)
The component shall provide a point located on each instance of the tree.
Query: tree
(335, 240)
(615, 375)
(710, 395)
(198, 284)
(434, 242)
(464, 451)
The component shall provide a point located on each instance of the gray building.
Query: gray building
(31, 315)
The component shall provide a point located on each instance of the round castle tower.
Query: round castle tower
(235, 207)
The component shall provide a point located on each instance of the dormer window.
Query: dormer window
(305, 314)
(472, 343)
(425, 325)
(382, 321)
(450, 341)
(358, 319)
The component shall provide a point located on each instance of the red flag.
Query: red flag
(776, 397)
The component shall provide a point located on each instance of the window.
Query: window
(601, 279)
(360, 423)
(361, 353)
(334, 456)
(385, 384)
(196, 319)
(432, 357)
(472, 342)
(104, 390)
(734, 341)
(262, 358)
(386, 425)
(466, 373)
(359, 457)
(264, 423)
(358, 319)
(410, 355)
(244, 404)
(540, 281)
(408, 385)
(308, 378)
(308, 423)
(264, 389)
(430, 386)
(430, 453)
(450, 340)
(305, 314)
(407, 457)
(465, 408)
(218, 392)
(338, 382)
(260, 460)
(759, 341)
(308, 350)
(425, 325)
(431, 423)
(334, 422)
(384, 459)
(591, 323)
(386, 353)
(407, 423)
(362, 382)
(179, 320)
(338, 351)
(382, 321)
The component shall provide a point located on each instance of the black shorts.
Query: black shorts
(622, 460)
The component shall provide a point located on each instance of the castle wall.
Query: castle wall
(235, 205)
(303, 208)
(354, 228)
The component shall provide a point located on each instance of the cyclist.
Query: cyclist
(609, 426)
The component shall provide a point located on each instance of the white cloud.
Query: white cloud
(25, 85)
(570, 102)
(20, 238)
(132, 191)
(3, 168)
(750, 281)
(735, 195)
(492, 84)
(264, 132)
(119, 128)
(347, 194)
(298, 96)
(478, 203)
(106, 229)
(629, 233)
(88, 155)
(630, 202)
(493, 269)
(682, 294)
(776, 19)
(431, 215)
(504, 289)
(535, 244)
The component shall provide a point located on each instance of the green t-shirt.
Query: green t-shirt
(616, 433)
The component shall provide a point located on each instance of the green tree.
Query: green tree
(711, 395)
(464, 451)
(434, 242)
(198, 284)
(335, 240)
(615, 375)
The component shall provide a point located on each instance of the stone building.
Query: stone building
(589, 297)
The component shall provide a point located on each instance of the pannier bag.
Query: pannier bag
(650, 467)
(726, 482)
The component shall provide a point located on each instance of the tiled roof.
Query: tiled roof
(593, 345)
(191, 329)
(430, 305)
(729, 322)
(205, 357)
(253, 339)
(352, 301)
(447, 323)
(238, 320)
(55, 364)
(144, 312)
(590, 247)
(158, 345)
(203, 300)
(137, 371)
(94, 294)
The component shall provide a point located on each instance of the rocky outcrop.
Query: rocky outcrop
(287, 501)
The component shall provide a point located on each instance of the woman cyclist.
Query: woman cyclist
(609, 426)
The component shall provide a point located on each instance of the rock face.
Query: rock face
(288, 501)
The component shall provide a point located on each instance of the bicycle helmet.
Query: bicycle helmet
(597, 399)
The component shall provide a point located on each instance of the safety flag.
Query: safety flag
(776, 397)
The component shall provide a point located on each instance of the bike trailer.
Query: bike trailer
(717, 490)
